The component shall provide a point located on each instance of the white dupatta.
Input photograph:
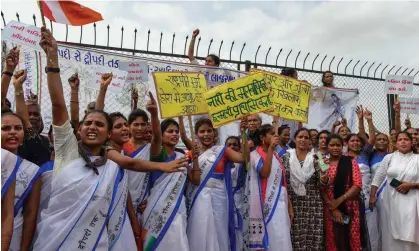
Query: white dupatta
(257, 214)
(26, 176)
(138, 182)
(162, 206)
(300, 175)
(79, 208)
(403, 209)
(9, 165)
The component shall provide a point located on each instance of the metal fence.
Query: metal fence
(367, 77)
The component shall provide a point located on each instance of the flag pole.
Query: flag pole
(41, 9)
(191, 128)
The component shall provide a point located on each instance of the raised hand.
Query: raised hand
(48, 42)
(12, 60)
(359, 112)
(74, 81)
(195, 33)
(367, 114)
(408, 123)
(337, 123)
(274, 141)
(396, 106)
(152, 105)
(106, 79)
(176, 165)
(344, 122)
(134, 94)
(19, 78)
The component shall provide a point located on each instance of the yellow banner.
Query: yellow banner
(180, 93)
(237, 99)
(290, 96)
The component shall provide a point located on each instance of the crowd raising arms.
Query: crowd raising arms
(283, 178)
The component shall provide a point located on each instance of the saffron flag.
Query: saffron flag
(69, 12)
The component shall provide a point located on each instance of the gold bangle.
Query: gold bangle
(195, 169)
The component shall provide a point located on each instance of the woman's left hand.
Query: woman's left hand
(334, 204)
(404, 187)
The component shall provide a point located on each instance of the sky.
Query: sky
(381, 32)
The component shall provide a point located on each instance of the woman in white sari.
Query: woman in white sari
(268, 208)
(400, 204)
(210, 205)
(28, 186)
(238, 179)
(9, 166)
(165, 218)
(87, 188)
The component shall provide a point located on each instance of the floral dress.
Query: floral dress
(307, 227)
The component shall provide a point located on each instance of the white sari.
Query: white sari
(121, 236)
(266, 225)
(371, 216)
(138, 182)
(80, 207)
(165, 215)
(400, 228)
(238, 179)
(9, 165)
(210, 206)
(27, 174)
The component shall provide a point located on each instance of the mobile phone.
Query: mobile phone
(323, 166)
(346, 219)
(395, 183)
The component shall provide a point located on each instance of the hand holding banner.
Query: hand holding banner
(180, 93)
(236, 99)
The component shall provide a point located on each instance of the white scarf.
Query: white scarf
(299, 175)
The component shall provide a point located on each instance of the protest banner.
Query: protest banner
(396, 84)
(180, 93)
(290, 97)
(137, 70)
(237, 99)
(327, 105)
(409, 105)
(23, 34)
(118, 79)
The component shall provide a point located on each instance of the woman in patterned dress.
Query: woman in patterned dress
(307, 228)
(345, 224)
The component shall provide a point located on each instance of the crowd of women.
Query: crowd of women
(102, 183)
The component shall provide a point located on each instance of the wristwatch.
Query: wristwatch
(7, 73)
(51, 69)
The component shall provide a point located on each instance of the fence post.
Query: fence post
(391, 115)
(247, 65)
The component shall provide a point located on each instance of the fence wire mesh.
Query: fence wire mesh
(369, 82)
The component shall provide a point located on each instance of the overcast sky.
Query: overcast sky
(384, 32)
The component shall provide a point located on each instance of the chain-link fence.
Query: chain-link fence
(369, 81)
